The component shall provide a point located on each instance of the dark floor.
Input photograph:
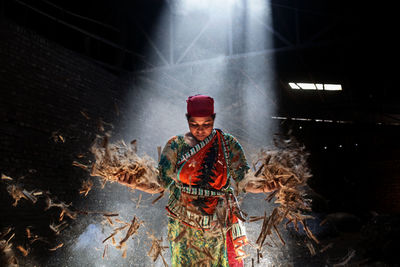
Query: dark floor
(345, 239)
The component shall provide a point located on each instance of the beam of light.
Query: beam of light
(243, 87)
(258, 85)
(188, 32)
(210, 5)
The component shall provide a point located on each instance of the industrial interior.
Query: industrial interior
(318, 73)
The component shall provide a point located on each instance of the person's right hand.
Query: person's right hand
(271, 186)
(125, 178)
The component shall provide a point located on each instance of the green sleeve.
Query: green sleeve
(237, 158)
(167, 164)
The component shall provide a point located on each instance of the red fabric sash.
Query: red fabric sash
(207, 168)
(232, 255)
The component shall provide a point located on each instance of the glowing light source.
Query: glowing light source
(332, 87)
(316, 86)
(307, 86)
(294, 86)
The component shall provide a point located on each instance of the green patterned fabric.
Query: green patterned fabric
(183, 254)
(176, 147)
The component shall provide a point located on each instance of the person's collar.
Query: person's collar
(192, 141)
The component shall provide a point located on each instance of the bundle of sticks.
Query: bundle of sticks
(116, 160)
(286, 165)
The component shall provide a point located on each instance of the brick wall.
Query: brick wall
(44, 89)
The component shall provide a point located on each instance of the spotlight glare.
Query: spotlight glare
(333, 87)
(316, 86)
(307, 86)
(294, 86)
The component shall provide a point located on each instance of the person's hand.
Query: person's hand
(125, 178)
(271, 186)
(128, 179)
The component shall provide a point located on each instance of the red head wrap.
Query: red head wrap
(200, 106)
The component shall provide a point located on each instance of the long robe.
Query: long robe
(198, 177)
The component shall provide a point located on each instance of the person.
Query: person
(204, 226)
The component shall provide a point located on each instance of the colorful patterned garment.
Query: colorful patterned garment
(198, 179)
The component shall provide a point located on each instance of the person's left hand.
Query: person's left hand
(125, 178)
(271, 186)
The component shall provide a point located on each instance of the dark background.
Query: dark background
(57, 64)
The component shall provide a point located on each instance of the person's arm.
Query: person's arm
(239, 168)
(150, 188)
(167, 164)
(166, 170)
(269, 187)
(237, 159)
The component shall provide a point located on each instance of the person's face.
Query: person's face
(201, 127)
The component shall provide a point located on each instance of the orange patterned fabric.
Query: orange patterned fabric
(207, 168)
(198, 180)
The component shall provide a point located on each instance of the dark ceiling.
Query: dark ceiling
(344, 41)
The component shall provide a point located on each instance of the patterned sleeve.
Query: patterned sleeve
(167, 164)
(238, 162)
